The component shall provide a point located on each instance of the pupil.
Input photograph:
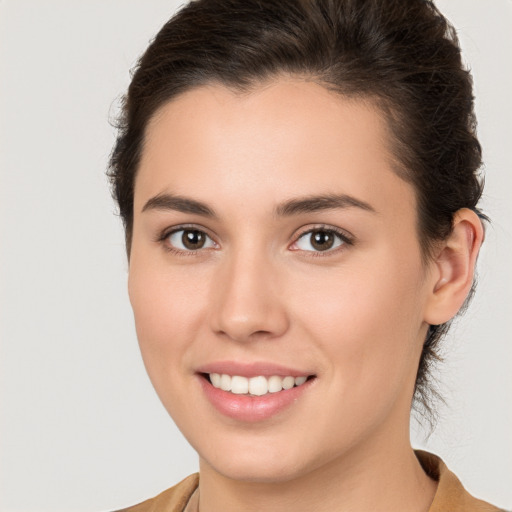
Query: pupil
(193, 239)
(322, 240)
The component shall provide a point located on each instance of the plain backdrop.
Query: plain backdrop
(81, 428)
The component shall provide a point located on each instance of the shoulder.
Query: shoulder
(450, 494)
(172, 500)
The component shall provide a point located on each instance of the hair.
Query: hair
(403, 56)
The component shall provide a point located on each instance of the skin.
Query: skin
(354, 316)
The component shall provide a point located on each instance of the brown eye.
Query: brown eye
(319, 240)
(193, 239)
(322, 240)
(190, 240)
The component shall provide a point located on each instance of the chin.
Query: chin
(256, 471)
(261, 462)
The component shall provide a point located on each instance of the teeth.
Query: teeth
(288, 382)
(215, 378)
(275, 384)
(257, 386)
(300, 380)
(225, 382)
(239, 385)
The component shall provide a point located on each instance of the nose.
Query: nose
(248, 302)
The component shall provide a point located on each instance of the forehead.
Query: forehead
(284, 138)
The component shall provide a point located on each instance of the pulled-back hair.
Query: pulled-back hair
(402, 55)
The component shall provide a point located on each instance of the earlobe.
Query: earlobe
(454, 268)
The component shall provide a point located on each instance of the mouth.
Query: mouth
(254, 398)
(255, 391)
(256, 386)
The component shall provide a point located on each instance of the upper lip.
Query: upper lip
(255, 369)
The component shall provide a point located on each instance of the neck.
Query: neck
(373, 477)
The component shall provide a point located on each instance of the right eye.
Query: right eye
(189, 239)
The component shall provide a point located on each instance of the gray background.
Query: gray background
(81, 428)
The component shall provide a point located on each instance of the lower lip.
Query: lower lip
(252, 408)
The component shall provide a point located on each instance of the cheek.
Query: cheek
(167, 313)
(368, 320)
(166, 308)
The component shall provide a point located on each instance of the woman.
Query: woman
(299, 186)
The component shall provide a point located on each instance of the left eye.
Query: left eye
(190, 240)
(319, 240)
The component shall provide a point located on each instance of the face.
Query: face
(274, 246)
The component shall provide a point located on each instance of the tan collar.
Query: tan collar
(193, 502)
(450, 495)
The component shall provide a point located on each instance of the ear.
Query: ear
(453, 268)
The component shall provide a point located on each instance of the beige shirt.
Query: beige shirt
(450, 495)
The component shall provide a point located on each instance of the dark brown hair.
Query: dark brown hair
(403, 55)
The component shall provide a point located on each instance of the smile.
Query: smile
(254, 392)
(255, 386)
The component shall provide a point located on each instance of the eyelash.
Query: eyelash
(345, 238)
(164, 236)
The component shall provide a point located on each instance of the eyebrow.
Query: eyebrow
(180, 204)
(308, 204)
